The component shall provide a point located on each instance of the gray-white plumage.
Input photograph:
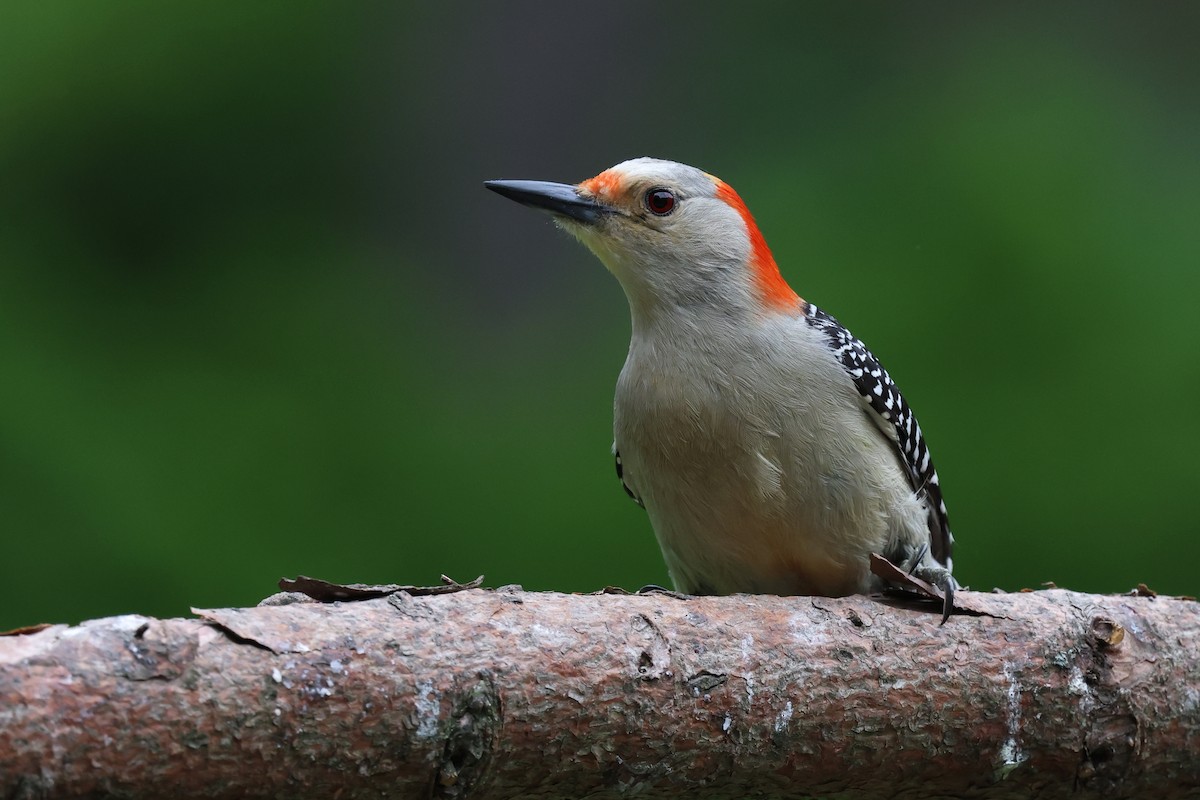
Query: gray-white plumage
(770, 449)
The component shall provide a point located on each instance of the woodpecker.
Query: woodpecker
(771, 450)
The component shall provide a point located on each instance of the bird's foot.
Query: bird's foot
(916, 574)
(938, 576)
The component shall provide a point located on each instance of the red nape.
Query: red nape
(775, 291)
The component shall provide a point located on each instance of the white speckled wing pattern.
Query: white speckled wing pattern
(892, 414)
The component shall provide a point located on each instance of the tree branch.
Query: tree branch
(505, 693)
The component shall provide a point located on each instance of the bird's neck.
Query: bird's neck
(703, 311)
(689, 318)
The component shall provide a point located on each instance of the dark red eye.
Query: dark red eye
(660, 201)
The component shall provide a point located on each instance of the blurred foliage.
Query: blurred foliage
(258, 317)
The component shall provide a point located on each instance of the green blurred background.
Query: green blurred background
(258, 317)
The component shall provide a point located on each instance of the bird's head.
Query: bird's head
(675, 237)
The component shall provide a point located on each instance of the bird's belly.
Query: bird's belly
(715, 540)
(739, 503)
(754, 556)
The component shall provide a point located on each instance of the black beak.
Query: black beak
(557, 198)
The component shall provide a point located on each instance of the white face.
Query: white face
(673, 237)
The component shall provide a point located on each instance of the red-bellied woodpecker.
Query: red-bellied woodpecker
(771, 450)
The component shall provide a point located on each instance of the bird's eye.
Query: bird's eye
(660, 201)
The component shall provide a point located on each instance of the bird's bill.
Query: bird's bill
(557, 198)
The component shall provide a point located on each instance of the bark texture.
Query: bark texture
(504, 694)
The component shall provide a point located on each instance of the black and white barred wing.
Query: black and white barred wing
(892, 414)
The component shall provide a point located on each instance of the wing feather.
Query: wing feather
(893, 416)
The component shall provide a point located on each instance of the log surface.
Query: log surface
(504, 694)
